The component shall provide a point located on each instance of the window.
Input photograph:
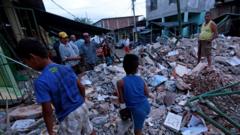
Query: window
(172, 2)
(153, 5)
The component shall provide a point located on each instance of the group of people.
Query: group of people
(79, 54)
(59, 86)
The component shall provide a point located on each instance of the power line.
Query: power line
(134, 19)
(64, 9)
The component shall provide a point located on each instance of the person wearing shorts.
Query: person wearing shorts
(207, 35)
(133, 91)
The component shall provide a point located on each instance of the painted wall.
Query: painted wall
(165, 9)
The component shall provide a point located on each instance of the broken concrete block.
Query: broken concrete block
(198, 68)
(22, 125)
(221, 60)
(170, 85)
(234, 61)
(181, 85)
(182, 103)
(176, 109)
(98, 121)
(169, 99)
(173, 53)
(160, 98)
(148, 60)
(103, 108)
(123, 126)
(157, 113)
(235, 70)
(86, 82)
(156, 80)
(173, 121)
(156, 45)
(88, 90)
(196, 126)
(181, 70)
(26, 112)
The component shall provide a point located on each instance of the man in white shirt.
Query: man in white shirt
(69, 52)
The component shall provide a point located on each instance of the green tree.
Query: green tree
(83, 20)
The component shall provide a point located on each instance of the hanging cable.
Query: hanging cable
(64, 9)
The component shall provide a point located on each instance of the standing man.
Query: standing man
(73, 44)
(207, 35)
(59, 86)
(72, 38)
(69, 52)
(58, 58)
(88, 52)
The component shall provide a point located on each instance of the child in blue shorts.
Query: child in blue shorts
(133, 91)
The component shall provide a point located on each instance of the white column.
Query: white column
(186, 30)
(163, 31)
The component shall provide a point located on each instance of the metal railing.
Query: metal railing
(210, 100)
(15, 85)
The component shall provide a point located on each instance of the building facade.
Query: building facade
(116, 23)
(225, 6)
(166, 11)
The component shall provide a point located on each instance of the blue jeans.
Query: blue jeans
(139, 114)
(108, 60)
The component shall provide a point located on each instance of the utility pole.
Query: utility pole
(179, 18)
(134, 20)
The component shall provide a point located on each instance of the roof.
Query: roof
(116, 18)
(55, 23)
(139, 23)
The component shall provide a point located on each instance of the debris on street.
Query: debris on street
(173, 77)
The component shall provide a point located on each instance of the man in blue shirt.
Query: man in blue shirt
(88, 52)
(59, 86)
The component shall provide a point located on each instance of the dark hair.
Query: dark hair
(130, 63)
(28, 46)
(208, 12)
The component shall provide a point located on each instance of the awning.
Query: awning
(170, 24)
(55, 23)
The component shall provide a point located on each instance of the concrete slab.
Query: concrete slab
(26, 112)
(173, 121)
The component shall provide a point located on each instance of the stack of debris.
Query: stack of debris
(173, 76)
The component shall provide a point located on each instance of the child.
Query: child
(57, 85)
(126, 45)
(134, 92)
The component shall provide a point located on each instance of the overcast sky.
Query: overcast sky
(95, 9)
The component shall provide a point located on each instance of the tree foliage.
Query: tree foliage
(83, 20)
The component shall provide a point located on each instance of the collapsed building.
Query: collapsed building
(180, 87)
(188, 97)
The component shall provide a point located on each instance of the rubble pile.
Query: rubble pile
(173, 76)
(205, 80)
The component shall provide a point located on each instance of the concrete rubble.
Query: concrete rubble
(173, 76)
